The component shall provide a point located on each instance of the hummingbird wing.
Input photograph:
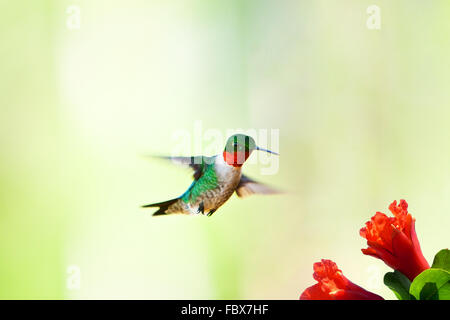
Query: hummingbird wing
(247, 187)
(197, 163)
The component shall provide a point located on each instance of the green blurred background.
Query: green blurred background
(363, 118)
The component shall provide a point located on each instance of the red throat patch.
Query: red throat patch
(235, 159)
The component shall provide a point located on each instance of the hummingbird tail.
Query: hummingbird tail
(164, 207)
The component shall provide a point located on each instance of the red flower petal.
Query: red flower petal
(394, 240)
(332, 285)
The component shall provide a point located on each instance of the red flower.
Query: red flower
(332, 285)
(394, 240)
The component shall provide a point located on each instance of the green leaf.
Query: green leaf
(431, 284)
(399, 284)
(429, 292)
(444, 292)
(442, 260)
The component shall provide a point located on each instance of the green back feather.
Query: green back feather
(207, 181)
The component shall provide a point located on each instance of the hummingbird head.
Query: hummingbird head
(238, 148)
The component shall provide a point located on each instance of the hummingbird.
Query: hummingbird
(216, 178)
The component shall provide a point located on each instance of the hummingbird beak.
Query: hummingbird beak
(268, 151)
